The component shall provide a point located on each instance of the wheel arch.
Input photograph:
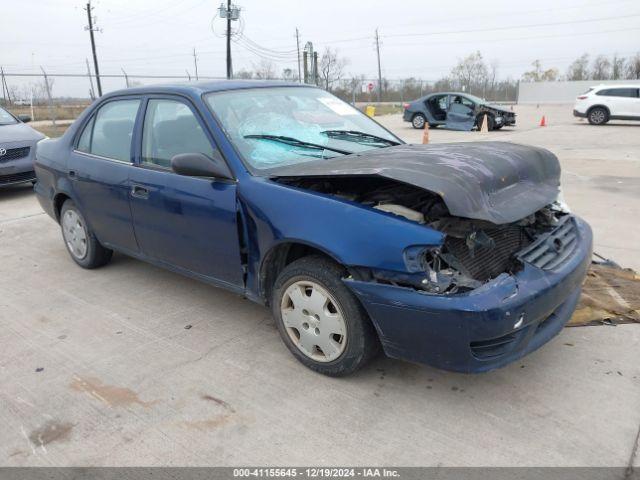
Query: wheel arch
(598, 105)
(282, 254)
(58, 200)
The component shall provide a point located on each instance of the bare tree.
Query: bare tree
(633, 67)
(290, 75)
(265, 70)
(601, 68)
(539, 74)
(331, 67)
(471, 72)
(492, 77)
(243, 74)
(617, 67)
(579, 69)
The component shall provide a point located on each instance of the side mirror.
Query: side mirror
(199, 165)
(24, 118)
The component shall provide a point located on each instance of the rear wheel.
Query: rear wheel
(598, 116)
(320, 320)
(81, 243)
(418, 121)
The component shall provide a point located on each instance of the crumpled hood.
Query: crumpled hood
(500, 108)
(18, 132)
(495, 181)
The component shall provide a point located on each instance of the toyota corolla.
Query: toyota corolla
(460, 255)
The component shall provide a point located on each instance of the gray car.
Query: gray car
(17, 149)
(456, 111)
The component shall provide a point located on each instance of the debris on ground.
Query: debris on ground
(610, 296)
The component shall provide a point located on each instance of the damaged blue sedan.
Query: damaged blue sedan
(461, 256)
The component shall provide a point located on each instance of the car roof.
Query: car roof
(198, 88)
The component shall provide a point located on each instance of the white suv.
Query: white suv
(607, 102)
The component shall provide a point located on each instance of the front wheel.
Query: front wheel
(418, 121)
(490, 121)
(80, 241)
(320, 320)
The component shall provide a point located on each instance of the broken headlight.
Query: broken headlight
(443, 273)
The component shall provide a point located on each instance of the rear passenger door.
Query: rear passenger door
(99, 168)
(186, 222)
(622, 102)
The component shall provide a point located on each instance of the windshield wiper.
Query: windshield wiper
(298, 143)
(354, 135)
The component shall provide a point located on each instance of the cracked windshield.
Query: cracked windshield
(286, 125)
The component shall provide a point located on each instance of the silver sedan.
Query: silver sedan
(17, 149)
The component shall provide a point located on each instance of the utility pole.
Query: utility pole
(315, 68)
(4, 93)
(298, 45)
(92, 91)
(91, 29)
(379, 69)
(126, 77)
(195, 63)
(229, 71)
(52, 111)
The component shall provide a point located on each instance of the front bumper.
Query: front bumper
(17, 170)
(486, 328)
(507, 119)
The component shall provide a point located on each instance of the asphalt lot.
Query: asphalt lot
(134, 365)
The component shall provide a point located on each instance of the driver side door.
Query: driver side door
(188, 223)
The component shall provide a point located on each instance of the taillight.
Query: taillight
(582, 97)
(405, 105)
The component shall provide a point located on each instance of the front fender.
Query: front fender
(352, 234)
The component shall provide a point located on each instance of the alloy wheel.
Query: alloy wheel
(597, 116)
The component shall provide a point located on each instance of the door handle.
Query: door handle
(139, 192)
(72, 174)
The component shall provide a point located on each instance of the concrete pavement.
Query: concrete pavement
(134, 365)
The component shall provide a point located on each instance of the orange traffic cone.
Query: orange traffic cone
(543, 121)
(425, 133)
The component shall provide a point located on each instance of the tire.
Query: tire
(490, 121)
(326, 313)
(598, 116)
(81, 243)
(418, 121)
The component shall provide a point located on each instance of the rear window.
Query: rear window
(619, 92)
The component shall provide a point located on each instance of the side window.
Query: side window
(84, 144)
(108, 134)
(619, 92)
(171, 128)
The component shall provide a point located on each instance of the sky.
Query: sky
(421, 38)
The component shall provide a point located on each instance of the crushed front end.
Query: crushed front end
(486, 296)
(458, 322)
